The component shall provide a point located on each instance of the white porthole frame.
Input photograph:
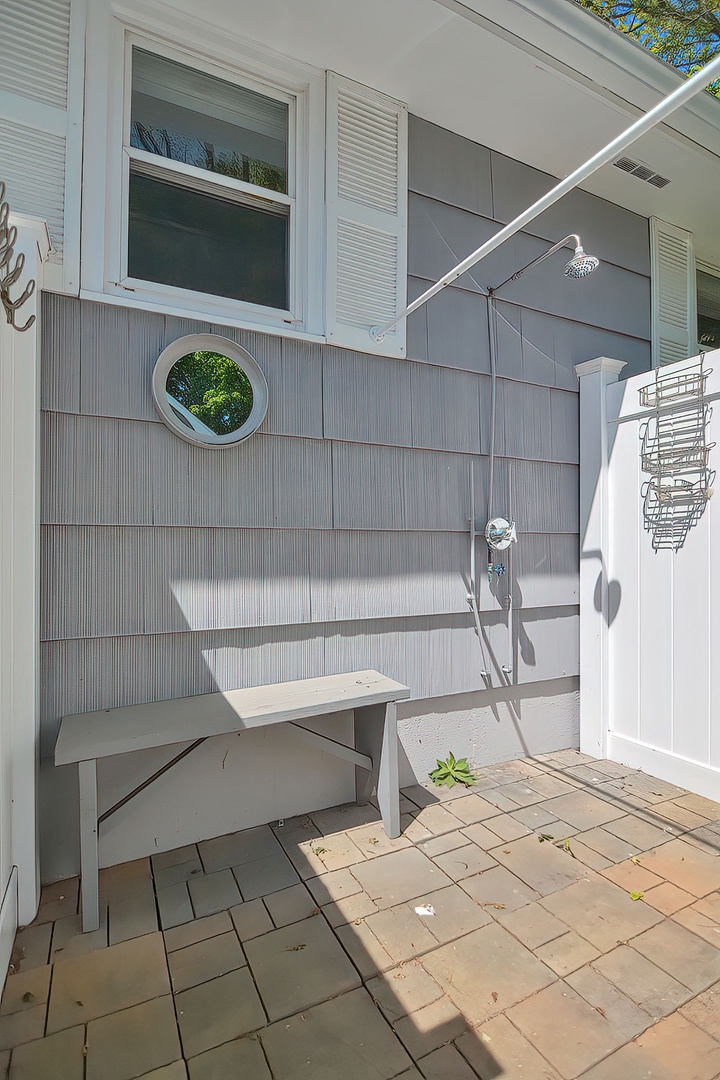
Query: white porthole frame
(247, 364)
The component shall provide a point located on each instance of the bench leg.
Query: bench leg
(376, 736)
(87, 771)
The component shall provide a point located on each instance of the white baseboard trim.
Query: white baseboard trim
(696, 777)
(8, 923)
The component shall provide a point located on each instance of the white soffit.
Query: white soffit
(543, 82)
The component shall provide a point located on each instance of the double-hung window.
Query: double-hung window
(228, 184)
(708, 307)
(210, 184)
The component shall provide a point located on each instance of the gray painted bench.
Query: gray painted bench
(86, 737)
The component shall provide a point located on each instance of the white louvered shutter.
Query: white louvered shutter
(674, 318)
(366, 189)
(34, 62)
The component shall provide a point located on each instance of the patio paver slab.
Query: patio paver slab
(681, 953)
(175, 1071)
(611, 847)
(403, 990)
(566, 953)
(333, 886)
(174, 905)
(94, 984)
(133, 1042)
(583, 810)
(26, 989)
(532, 925)
(695, 871)
(68, 938)
(704, 1011)
(401, 932)
(705, 926)
(368, 955)
(496, 1049)
(218, 1011)
(263, 876)
(630, 1062)
(543, 866)
(205, 960)
(464, 862)
(32, 947)
(290, 905)
(59, 1056)
(431, 1027)
(22, 1027)
(214, 892)
(498, 889)
(601, 912)
(250, 919)
(346, 1037)
(439, 845)
(179, 937)
(471, 809)
(456, 914)
(609, 1000)
(446, 1063)
(241, 1058)
(656, 991)
(299, 966)
(488, 974)
(682, 1048)
(222, 852)
(667, 898)
(506, 827)
(349, 909)
(583, 1038)
(404, 875)
(639, 833)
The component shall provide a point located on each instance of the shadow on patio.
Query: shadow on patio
(576, 932)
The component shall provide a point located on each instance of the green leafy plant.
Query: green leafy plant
(452, 772)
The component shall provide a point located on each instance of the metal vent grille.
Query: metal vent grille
(641, 171)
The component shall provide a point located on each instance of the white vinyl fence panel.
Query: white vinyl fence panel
(650, 614)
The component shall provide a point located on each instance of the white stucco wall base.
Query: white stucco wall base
(489, 727)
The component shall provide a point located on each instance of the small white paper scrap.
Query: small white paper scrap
(425, 909)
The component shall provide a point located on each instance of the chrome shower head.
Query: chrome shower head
(581, 264)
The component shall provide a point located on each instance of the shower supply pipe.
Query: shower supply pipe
(472, 595)
(645, 123)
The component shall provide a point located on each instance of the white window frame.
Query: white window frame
(112, 33)
(706, 268)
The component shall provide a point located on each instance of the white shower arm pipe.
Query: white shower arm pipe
(664, 108)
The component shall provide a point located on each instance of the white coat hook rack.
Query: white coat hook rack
(9, 273)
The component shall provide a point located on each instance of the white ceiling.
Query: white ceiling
(543, 82)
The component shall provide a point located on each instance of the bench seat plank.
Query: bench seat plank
(89, 736)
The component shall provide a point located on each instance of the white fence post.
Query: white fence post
(595, 376)
(19, 577)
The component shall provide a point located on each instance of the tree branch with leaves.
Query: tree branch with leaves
(684, 33)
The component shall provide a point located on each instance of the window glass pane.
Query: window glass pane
(708, 307)
(192, 117)
(209, 393)
(193, 240)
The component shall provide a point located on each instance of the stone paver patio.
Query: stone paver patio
(576, 934)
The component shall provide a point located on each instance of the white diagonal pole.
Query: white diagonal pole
(663, 109)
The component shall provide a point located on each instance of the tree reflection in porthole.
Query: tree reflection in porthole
(213, 389)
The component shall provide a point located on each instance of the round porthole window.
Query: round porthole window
(209, 390)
